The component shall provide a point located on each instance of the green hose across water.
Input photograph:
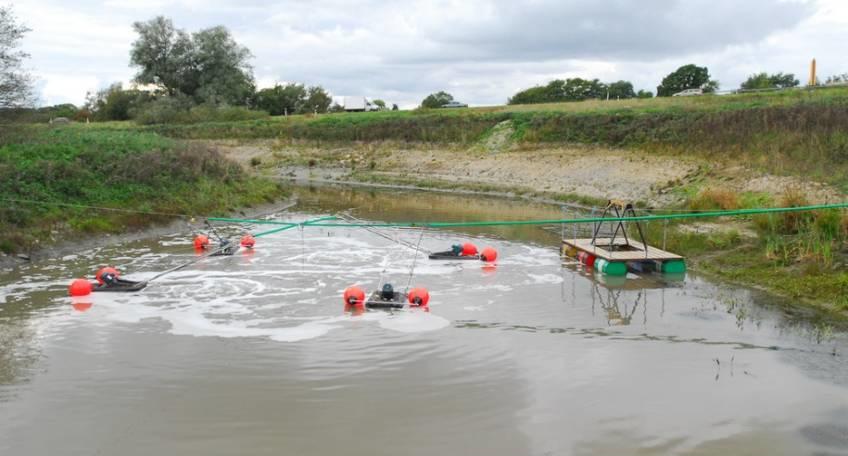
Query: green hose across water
(641, 218)
(288, 225)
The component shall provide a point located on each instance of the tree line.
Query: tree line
(185, 75)
(686, 77)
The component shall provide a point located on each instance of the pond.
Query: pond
(254, 353)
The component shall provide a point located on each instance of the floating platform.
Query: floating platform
(617, 257)
(376, 301)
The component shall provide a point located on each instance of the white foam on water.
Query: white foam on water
(414, 321)
(544, 278)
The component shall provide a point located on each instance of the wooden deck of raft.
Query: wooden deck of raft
(637, 251)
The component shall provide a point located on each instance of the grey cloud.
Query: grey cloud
(480, 50)
(619, 29)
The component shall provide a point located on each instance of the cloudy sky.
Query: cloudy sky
(481, 51)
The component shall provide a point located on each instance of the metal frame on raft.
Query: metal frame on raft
(614, 255)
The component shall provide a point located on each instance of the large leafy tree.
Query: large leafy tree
(436, 100)
(686, 77)
(15, 82)
(223, 72)
(208, 66)
(770, 81)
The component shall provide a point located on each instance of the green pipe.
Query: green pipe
(292, 225)
(641, 218)
(275, 230)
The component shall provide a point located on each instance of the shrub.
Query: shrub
(162, 111)
(211, 113)
(713, 199)
(793, 222)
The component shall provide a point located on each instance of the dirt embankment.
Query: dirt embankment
(586, 171)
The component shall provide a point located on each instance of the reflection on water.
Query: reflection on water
(534, 355)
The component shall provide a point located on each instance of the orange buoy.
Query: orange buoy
(354, 296)
(248, 241)
(201, 241)
(106, 270)
(469, 249)
(419, 297)
(80, 287)
(489, 255)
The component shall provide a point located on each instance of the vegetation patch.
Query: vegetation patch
(48, 180)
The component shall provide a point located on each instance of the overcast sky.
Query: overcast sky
(481, 51)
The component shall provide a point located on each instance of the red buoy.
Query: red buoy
(419, 297)
(106, 270)
(354, 296)
(248, 241)
(80, 287)
(586, 258)
(469, 249)
(201, 241)
(489, 255)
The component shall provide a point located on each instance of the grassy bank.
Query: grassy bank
(791, 132)
(65, 168)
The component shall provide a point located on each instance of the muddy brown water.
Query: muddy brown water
(253, 354)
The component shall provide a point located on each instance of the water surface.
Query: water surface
(253, 354)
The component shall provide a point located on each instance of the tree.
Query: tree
(644, 94)
(208, 66)
(164, 55)
(317, 100)
(837, 79)
(686, 77)
(578, 89)
(394, 107)
(281, 99)
(380, 103)
(538, 94)
(573, 89)
(436, 100)
(224, 75)
(293, 99)
(114, 103)
(15, 82)
(770, 81)
(620, 90)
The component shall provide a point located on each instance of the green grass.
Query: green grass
(800, 132)
(112, 168)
